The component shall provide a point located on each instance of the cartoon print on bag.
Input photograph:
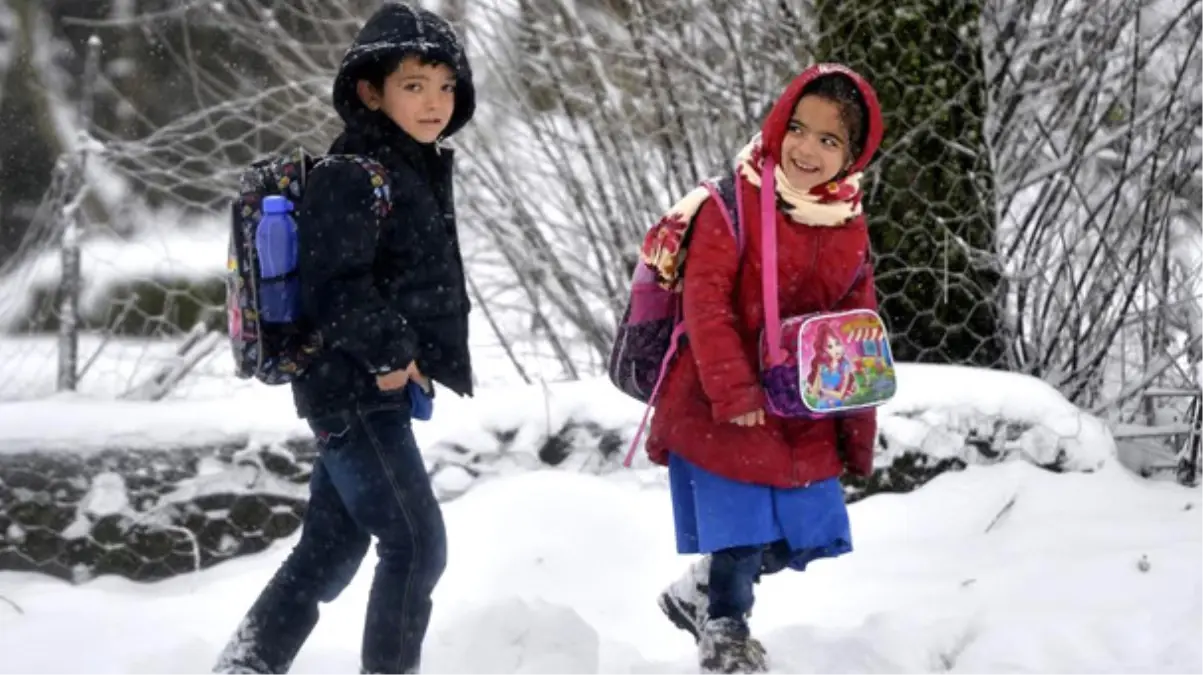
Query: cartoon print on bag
(831, 379)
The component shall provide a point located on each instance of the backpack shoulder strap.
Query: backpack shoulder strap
(726, 195)
(861, 270)
(378, 175)
(382, 203)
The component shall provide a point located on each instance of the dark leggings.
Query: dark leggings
(733, 572)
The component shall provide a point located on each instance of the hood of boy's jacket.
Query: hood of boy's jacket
(775, 125)
(398, 27)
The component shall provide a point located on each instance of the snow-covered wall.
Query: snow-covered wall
(152, 490)
(147, 514)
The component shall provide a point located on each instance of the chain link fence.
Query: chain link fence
(147, 513)
(1035, 208)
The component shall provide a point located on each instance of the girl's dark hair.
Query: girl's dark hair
(843, 92)
(377, 70)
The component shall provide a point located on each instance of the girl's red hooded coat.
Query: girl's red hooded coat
(715, 377)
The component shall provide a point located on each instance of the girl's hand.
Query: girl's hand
(752, 419)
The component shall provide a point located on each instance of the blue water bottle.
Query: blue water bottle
(276, 245)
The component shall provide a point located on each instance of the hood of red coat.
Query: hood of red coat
(776, 124)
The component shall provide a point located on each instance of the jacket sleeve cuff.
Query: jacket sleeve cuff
(396, 356)
(741, 402)
(858, 441)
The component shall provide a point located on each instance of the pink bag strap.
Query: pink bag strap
(768, 262)
(678, 331)
(768, 269)
(737, 232)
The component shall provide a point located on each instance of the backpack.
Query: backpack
(276, 353)
(653, 325)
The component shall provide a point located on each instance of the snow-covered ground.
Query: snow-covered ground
(994, 569)
(999, 568)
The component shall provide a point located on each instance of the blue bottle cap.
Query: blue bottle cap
(276, 204)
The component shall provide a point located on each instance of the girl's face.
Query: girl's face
(835, 349)
(417, 97)
(815, 148)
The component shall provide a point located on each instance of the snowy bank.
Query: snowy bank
(191, 483)
(946, 410)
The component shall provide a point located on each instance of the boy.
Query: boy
(391, 306)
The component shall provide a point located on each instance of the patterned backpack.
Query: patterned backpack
(653, 324)
(275, 353)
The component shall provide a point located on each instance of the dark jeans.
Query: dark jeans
(369, 481)
(733, 572)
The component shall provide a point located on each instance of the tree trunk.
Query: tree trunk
(930, 199)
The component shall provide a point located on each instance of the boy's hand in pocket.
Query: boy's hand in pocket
(417, 376)
(399, 378)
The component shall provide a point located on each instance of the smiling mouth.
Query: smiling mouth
(430, 122)
(804, 167)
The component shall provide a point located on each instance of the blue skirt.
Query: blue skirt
(712, 513)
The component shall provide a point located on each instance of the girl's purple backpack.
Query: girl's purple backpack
(652, 325)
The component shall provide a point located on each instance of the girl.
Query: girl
(752, 492)
(831, 378)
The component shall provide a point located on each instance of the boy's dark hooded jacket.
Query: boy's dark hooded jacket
(383, 296)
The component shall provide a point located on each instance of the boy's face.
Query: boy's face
(815, 147)
(417, 97)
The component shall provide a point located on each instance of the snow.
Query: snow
(1187, 247)
(553, 571)
(106, 496)
(116, 365)
(951, 397)
(193, 253)
(935, 410)
(1003, 567)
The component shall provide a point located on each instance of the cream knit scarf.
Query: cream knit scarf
(831, 204)
(828, 205)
